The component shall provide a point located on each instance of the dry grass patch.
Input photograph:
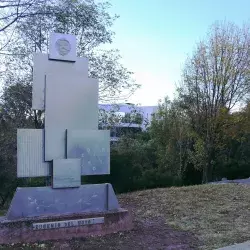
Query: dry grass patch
(218, 214)
(205, 216)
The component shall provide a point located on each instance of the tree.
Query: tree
(13, 10)
(215, 80)
(233, 146)
(91, 23)
(169, 132)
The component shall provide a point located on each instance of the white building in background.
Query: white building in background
(143, 116)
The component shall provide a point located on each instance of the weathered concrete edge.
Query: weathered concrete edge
(241, 246)
(4, 220)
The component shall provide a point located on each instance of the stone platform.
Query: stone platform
(63, 226)
(30, 202)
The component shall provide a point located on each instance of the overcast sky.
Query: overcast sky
(155, 36)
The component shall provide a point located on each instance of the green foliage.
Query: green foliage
(169, 132)
(215, 79)
(133, 166)
(233, 149)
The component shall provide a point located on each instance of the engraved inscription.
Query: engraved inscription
(68, 223)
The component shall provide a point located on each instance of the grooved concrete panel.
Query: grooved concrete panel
(44, 201)
(92, 147)
(30, 153)
(43, 66)
(71, 103)
(66, 173)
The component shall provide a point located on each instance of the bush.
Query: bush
(133, 166)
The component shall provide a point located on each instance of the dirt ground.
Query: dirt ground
(150, 233)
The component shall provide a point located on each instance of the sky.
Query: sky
(156, 36)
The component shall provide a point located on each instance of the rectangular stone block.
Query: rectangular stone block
(43, 66)
(71, 103)
(66, 173)
(46, 201)
(92, 147)
(30, 153)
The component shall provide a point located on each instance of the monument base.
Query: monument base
(64, 227)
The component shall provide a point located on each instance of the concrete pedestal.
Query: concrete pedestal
(45, 201)
(72, 226)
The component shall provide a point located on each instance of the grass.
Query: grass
(217, 215)
(2, 212)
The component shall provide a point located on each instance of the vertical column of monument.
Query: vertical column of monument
(59, 102)
(71, 104)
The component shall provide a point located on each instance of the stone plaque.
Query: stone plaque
(67, 223)
(62, 47)
(30, 153)
(66, 173)
(43, 66)
(92, 147)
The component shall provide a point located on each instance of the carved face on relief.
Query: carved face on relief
(63, 46)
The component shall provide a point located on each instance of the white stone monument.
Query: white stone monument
(69, 146)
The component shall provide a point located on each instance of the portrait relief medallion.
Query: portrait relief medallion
(63, 46)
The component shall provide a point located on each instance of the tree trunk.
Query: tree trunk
(205, 174)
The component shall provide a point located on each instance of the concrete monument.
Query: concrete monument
(68, 147)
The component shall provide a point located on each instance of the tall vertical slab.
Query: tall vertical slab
(55, 144)
(71, 102)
